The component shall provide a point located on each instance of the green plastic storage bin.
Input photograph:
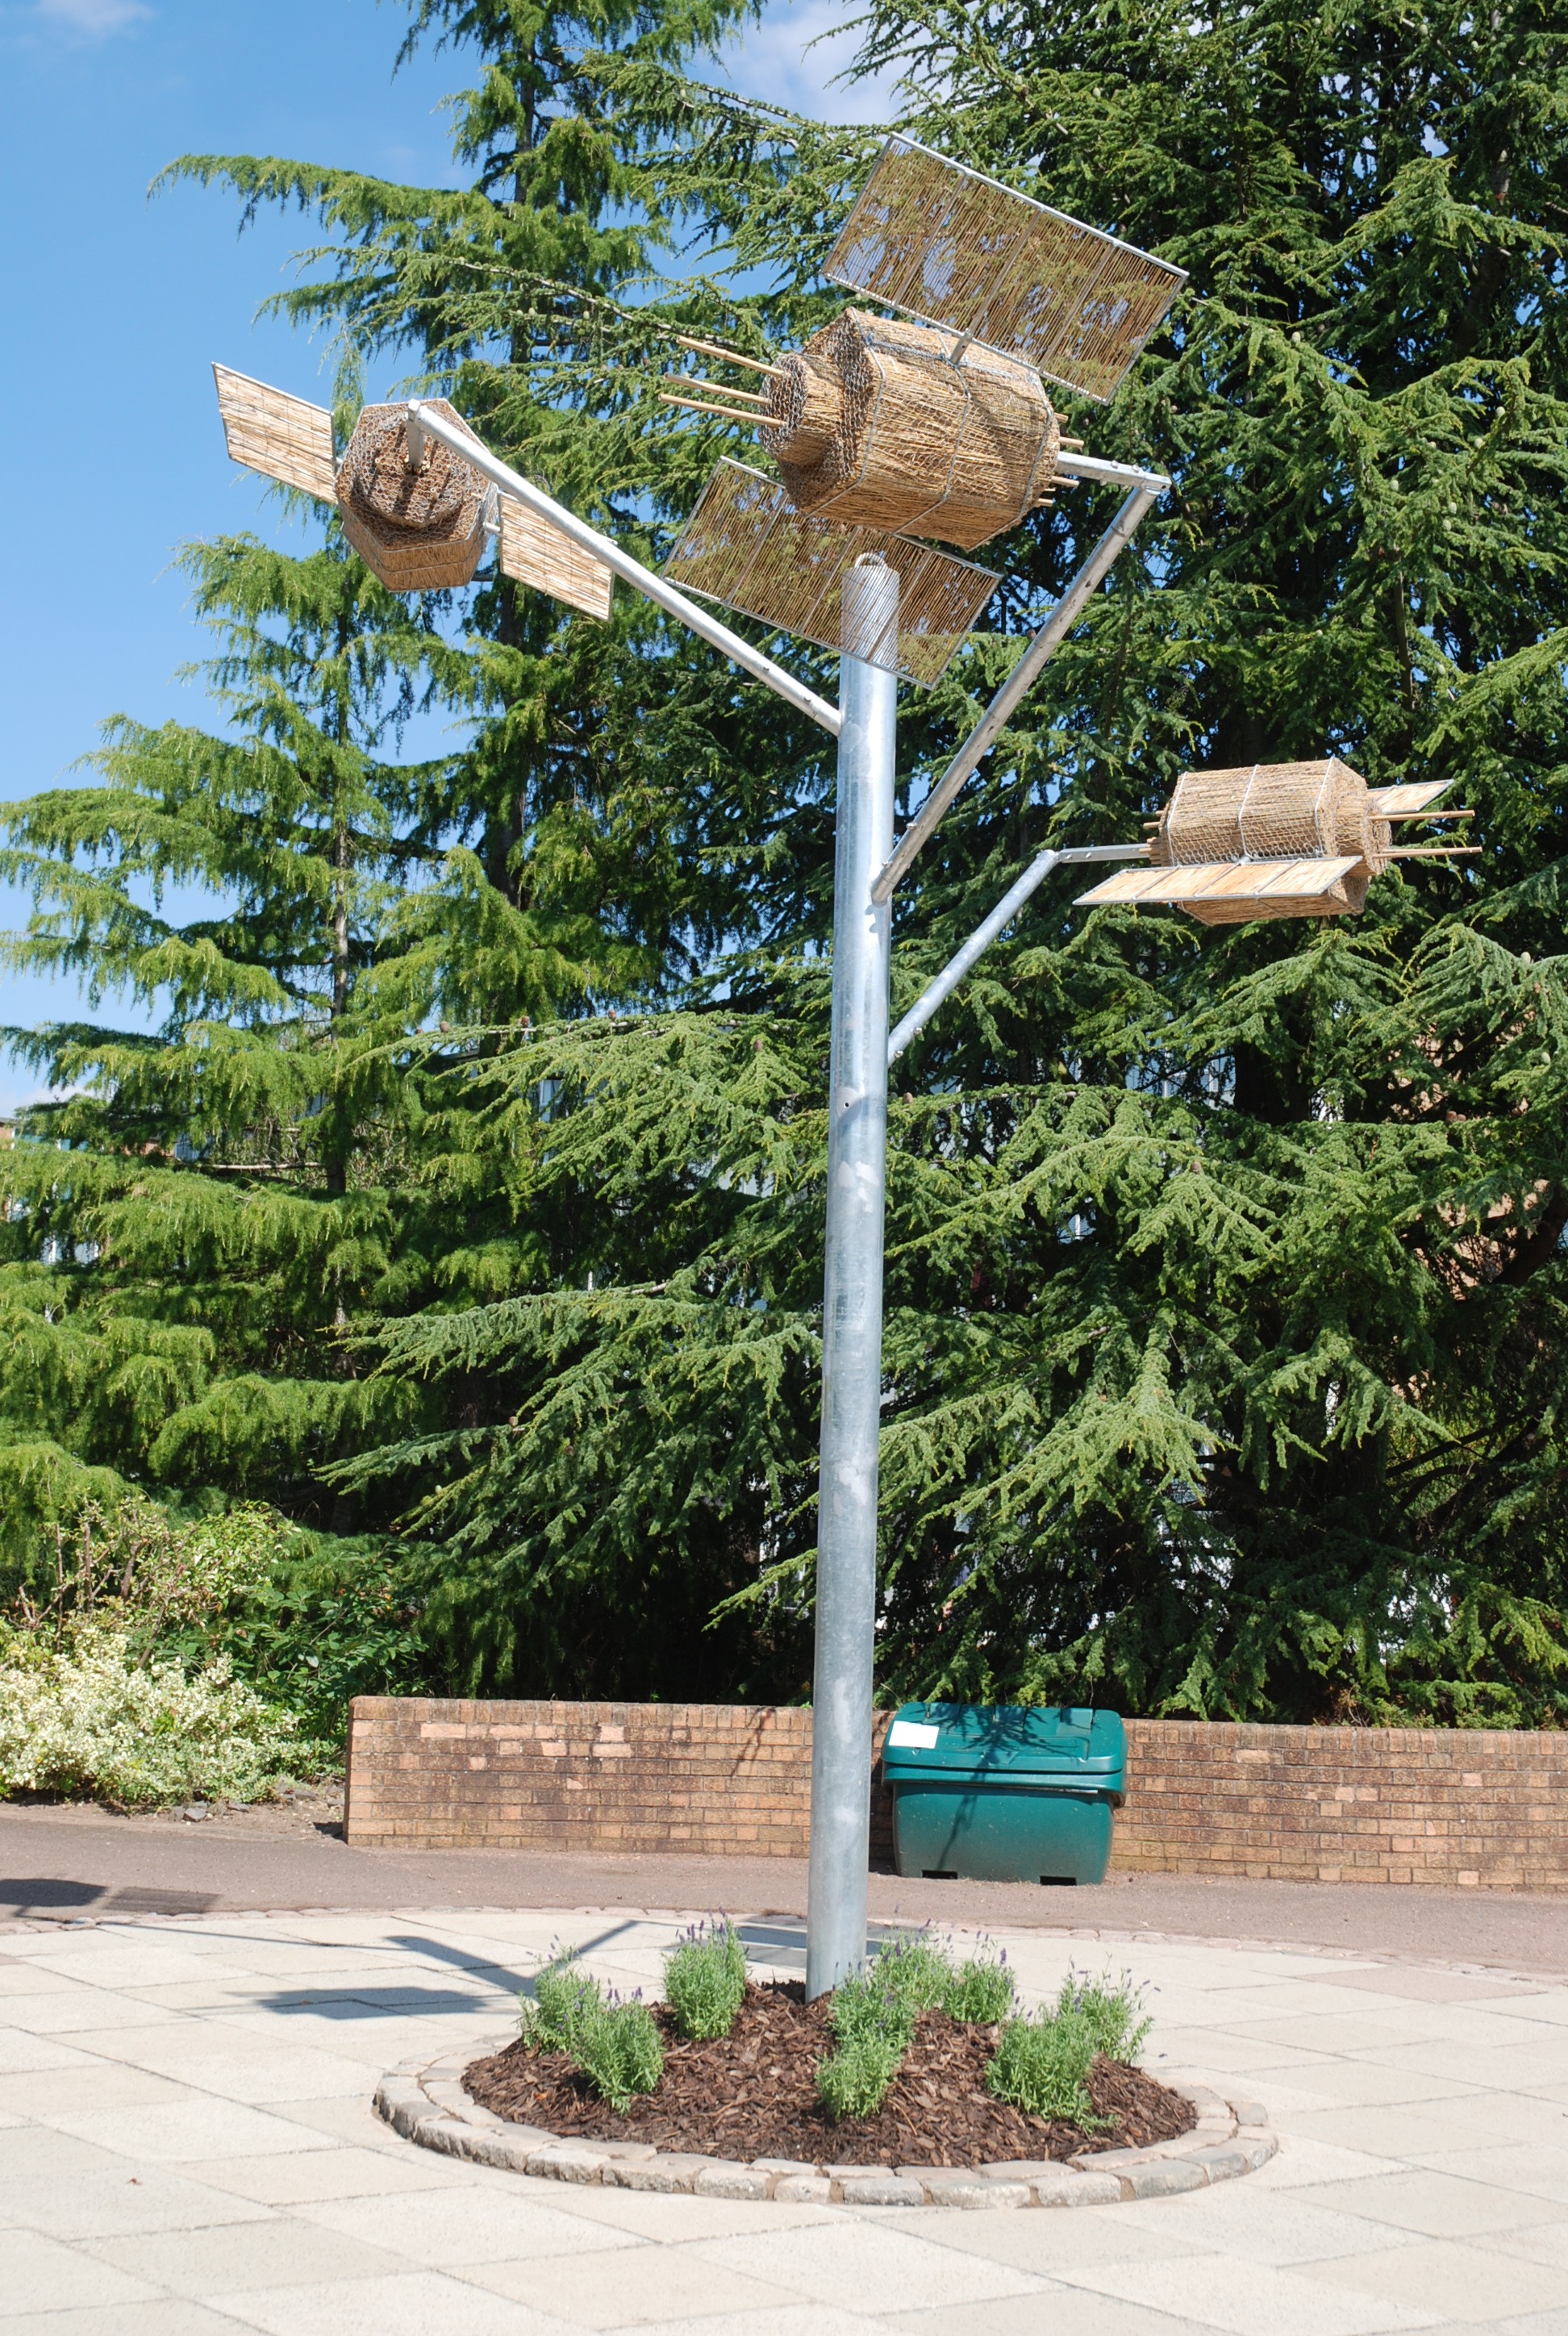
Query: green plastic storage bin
(1004, 1792)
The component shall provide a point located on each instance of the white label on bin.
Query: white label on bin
(910, 1732)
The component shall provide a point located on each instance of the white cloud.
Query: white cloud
(774, 60)
(93, 20)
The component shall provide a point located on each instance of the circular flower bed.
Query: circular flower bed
(755, 2092)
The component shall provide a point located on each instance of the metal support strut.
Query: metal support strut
(846, 1582)
(423, 423)
(984, 934)
(1147, 488)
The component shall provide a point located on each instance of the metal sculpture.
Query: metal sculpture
(936, 421)
(933, 422)
(879, 427)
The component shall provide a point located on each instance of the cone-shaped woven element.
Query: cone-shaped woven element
(282, 437)
(874, 424)
(420, 528)
(944, 244)
(746, 548)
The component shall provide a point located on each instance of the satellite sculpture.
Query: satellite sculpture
(1277, 840)
(934, 422)
(418, 514)
(900, 442)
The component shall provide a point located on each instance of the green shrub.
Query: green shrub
(869, 2007)
(917, 1972)
(1040, 2066)
(1113, 2011)
(547, 2019)
(852, 2082)
(872, 2019)
(981, 1990)
(705, 1979)
(614, 2044)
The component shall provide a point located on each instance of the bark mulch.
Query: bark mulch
(753, 2094)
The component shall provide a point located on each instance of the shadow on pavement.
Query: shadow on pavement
(41, 1897)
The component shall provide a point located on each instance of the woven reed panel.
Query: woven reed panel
(534, 553)
(1235, 892)
(419, 531)
(945, 244)
(744, 547)
(873, 424)
(281, 436)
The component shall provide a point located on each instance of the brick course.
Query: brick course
(1461, 1807)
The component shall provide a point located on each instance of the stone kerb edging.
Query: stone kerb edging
(426, 2103)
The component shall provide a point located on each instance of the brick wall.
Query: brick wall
(1448, 1807)
(1477, 1807)
(710, 1779)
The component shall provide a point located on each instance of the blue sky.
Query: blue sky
(115, 307)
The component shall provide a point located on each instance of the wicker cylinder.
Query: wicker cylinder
(873, 424)
(421, 531)
(1274, 811)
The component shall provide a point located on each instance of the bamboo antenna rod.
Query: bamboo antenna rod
(1434, 815)
(689, 380)
(697, 405)
(716, 349)
(1433, 852)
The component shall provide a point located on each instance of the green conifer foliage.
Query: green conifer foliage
(1224, 1350)
(194, 1227)
(1225, 1275)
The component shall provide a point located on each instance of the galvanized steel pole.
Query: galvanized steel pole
(846, 1583)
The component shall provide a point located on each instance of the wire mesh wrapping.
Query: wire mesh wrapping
(874, 423)
(1270, 810)
(534, 552)
(744, 547)
(945, 244)
(420, 529)
(281, 436)
(1265, 840)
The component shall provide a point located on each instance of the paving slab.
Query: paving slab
(1247, 2299)
(165, 2317)
(1446, 2279)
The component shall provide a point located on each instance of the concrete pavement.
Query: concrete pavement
(186, 2148)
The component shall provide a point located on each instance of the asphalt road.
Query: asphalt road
(75, 1864)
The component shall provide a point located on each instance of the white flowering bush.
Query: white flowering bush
(85, 1717)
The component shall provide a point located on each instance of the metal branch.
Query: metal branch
(1150, 485)
(1002, 916)
(631, 571)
